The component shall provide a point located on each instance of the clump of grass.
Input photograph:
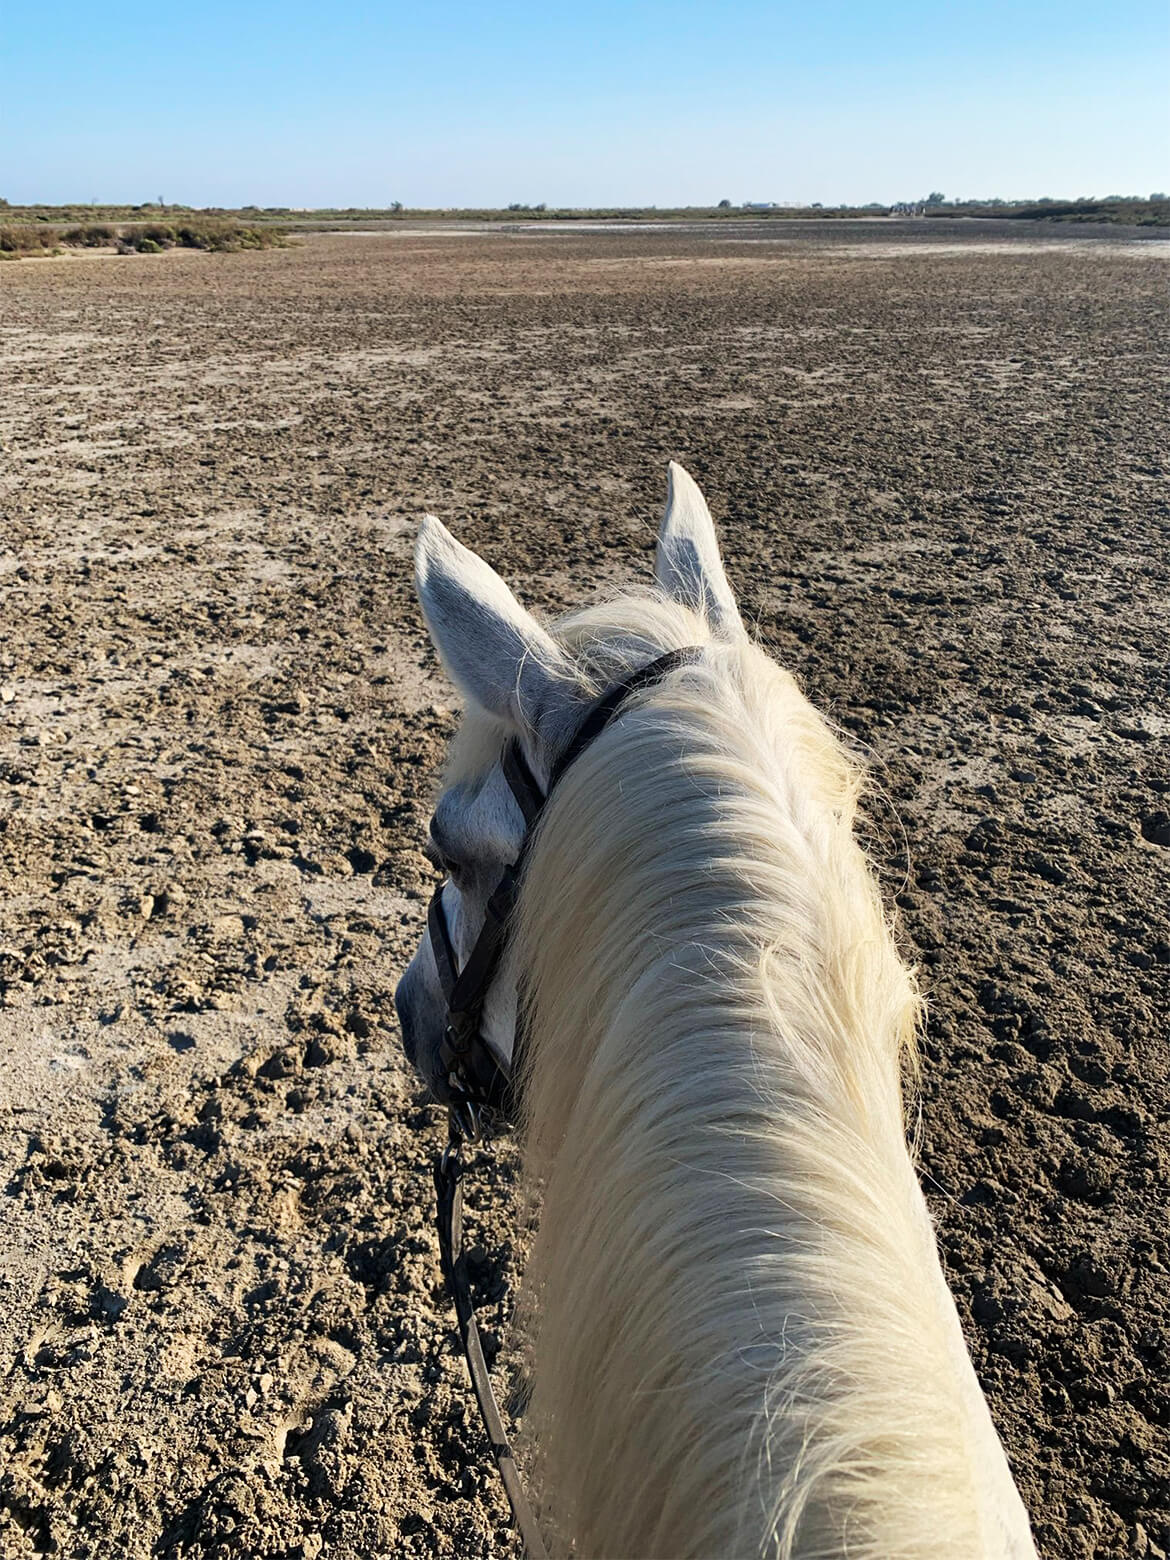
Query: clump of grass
(96, 235)
(156, 233)
(227, 236)
(26, 238)
(200, 233)
(19, 239)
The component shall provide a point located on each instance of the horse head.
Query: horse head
(519, 686)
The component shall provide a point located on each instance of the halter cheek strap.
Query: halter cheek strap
(480, 1082)
(523, 784)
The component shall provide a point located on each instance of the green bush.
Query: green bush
(226, 237)
(203, 235)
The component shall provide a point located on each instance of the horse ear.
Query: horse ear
(687, 564)
(496, 653)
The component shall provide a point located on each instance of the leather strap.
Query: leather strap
(611, 703)
(449, 1196)
(522, 783)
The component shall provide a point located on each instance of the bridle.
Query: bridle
(479, 1081)
(482, 1086)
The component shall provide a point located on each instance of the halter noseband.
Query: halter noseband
(480, 1082)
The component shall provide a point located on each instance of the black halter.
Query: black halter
(480, 1082)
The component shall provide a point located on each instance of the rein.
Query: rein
(482, 1086)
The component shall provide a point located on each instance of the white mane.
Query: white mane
(734, 1264)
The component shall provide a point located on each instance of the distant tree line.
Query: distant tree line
(1133, 210)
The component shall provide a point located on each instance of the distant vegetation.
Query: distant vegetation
(1124, 210)
(147, 229)
(25, 238)
(47, 233)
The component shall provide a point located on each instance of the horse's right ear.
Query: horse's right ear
(497, 654)
(687, 564)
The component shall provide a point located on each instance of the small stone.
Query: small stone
(7, 693)
(1049, 1302)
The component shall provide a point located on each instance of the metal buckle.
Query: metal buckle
(467, 1118)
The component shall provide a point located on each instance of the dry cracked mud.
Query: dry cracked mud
(940, 465)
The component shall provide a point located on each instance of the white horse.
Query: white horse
(741, 1339)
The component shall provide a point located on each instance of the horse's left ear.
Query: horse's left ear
(496, 652)
(687, 563)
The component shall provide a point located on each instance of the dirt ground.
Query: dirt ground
(940, 468)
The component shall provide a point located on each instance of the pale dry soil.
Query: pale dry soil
(941, 476)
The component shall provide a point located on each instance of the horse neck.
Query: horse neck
(736, 1296)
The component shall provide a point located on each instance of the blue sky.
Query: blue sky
(305, 103)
